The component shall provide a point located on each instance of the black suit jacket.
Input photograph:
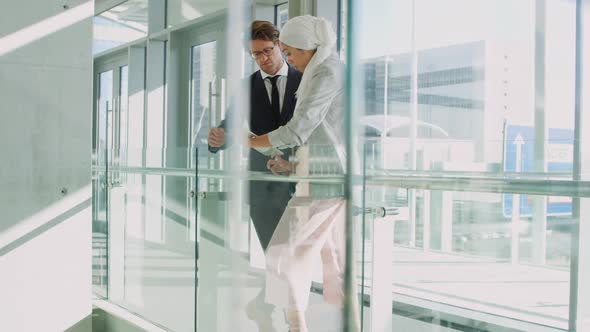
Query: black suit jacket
(262, 118)
(267, 199)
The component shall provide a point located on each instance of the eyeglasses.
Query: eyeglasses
(266, 52)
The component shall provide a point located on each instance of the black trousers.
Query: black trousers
(268, 201)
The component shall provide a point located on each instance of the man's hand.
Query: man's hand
(279, 166)
(216, 137)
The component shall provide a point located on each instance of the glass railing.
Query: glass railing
(488, 242)
(467, 254)
(454, 193)
(155, 219)
(177, 246)
(144, 241)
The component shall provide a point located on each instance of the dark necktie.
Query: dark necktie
(275, 103)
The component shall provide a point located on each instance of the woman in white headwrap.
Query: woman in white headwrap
(312, 225)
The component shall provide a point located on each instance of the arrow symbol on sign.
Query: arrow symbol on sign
(519, 142)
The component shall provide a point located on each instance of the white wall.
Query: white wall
(45, 141)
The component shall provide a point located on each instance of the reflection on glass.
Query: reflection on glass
(123, 121)
(118, 126)
(120, 25)
(205, 94)
(446, 92)
(310, 238)
(282, 14)
(474, 88)
(445, 99)
(100, 184)
(156, 277)
(300, 224)
(465, 256)
(204, 98)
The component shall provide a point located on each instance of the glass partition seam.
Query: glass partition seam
(350, 101)
(577, 170)
(363, 229)
(195, 200)
(107, 211)
(238, 15)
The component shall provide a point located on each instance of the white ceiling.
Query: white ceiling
(129, 11)
(104, 5)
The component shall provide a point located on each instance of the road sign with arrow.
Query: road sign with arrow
(519, 156)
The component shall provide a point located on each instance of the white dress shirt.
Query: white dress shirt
(281, 83)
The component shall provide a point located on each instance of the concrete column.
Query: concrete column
(45, 233)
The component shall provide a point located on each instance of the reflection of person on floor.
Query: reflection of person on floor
(272, 101)
(313, 224)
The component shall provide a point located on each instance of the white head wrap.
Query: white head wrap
(309, 33)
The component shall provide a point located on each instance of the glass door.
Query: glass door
(204, 111)
(109, 142)
(206, 212)
(99, 183)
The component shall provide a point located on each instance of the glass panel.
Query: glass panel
(119, 25)
(445, 93)
(100, 184)
(265, 240)
(282, 14)
(475, 259)
(123, 115)
(99, 235)
(152, 248)
(119, 123)
(307, 248)
(476, 89)
(205, 96)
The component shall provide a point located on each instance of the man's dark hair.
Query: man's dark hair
(265, 30)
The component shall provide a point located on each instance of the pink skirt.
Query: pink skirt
(307, 230)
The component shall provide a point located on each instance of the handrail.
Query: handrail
(485, 182)
(375, 172)
(217, 174)
(544, 187)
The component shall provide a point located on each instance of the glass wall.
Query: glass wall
(453, 101)
(446, 193)
(281, 14)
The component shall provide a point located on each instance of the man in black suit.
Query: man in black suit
(272, 101)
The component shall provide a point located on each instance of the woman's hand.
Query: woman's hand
(279, 166)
